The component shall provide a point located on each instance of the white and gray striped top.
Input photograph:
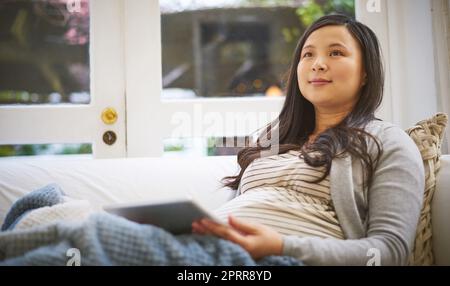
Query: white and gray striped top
(276, 191)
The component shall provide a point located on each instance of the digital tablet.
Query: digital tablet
(174, 216)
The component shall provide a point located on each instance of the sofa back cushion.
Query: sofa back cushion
(428, 135)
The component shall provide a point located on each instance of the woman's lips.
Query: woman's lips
(320, 82)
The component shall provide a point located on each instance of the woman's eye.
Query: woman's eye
(336, 53)
(305, 55)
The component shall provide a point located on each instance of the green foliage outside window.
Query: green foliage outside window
(311, 10)
(44, 149)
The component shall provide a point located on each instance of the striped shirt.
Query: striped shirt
(277, 191)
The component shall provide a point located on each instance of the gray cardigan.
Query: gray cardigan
(379, 223)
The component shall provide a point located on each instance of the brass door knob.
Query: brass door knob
(109, 115)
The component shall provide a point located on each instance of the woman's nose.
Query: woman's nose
(319, 65)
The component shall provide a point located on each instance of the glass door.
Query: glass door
(61, 78)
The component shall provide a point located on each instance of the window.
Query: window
(44, 149)
(61, 67)
(162, 64)
(44, 52)
(233, 48)
(228, 50)
(44, 59)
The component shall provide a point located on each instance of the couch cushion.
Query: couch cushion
(428, 135)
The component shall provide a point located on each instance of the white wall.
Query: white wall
(441, 36)
(413, 78)
(407, 35)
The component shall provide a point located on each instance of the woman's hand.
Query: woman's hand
(259, 240)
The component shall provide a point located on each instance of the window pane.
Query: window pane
(218, 48)
(44, 52)
(185, 147)
(44, 149)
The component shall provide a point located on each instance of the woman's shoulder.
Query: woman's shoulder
(378, 125)
(392, 137)
(386, 130)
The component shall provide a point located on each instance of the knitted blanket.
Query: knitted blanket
(105, 239)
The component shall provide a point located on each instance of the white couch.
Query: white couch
(151, 179)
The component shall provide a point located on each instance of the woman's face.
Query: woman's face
(330, 71)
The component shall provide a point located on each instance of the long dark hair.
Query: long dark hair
(296, 120)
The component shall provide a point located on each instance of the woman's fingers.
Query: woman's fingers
(257, 239)
(199, 228)
(224, 231)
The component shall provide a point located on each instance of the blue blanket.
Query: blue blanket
(105, 239)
